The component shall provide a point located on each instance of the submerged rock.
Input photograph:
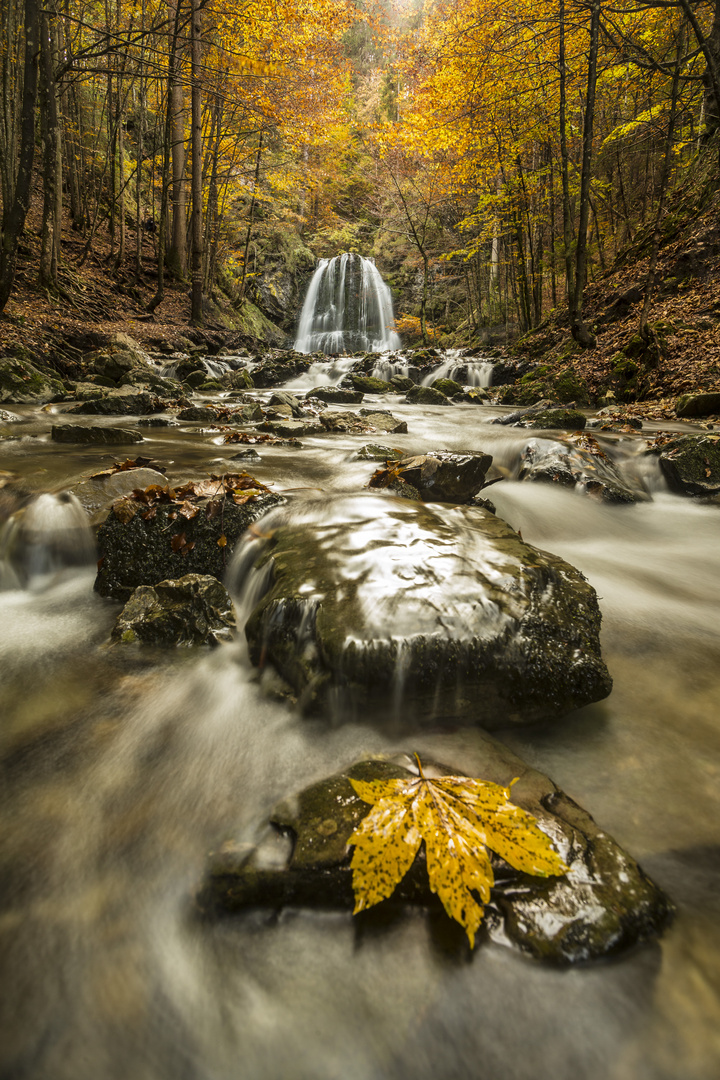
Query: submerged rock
(585, 467)
(291, 429)
(556, 420)
(411, 613)
(603, 905)
(193, 610)
(690, 463)
(376, 452)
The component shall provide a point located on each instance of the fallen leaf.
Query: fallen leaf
(458, 818)
(222, 542)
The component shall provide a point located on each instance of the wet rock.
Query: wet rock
(245, 414)
(116, 361)
(602, 906)
(239, 380)
(367, 384)
(442, 476)
(448, 387)
(584, 466)
(160, 543)
(401, 383)
(287, 401)
(9, 417)
(690, 463)
(336, 395)
(102, 436)
(278, 412)
(193, 610)
(376, 452)
(690, 405)
(274, 371)
(472, 395)
(124, 402)
(149, 379)
(98, 493)
(426, 395)
(413, 613)
(155, 421)
(555, 420)
(366, 422)
(22, 383)
(248, 454)
(291, 429)
(524, 414)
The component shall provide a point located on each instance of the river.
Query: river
(120, 772)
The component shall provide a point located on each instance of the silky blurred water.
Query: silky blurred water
(120, 773)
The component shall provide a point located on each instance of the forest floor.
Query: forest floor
(685, 311)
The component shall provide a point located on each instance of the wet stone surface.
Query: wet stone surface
(193, 610)
(387, 609)
(602, 906)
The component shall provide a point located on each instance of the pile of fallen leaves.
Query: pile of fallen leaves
(188, 500)
(458, 818)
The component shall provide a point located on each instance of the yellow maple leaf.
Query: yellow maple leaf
(459, 818)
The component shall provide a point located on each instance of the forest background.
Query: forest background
(546, 169)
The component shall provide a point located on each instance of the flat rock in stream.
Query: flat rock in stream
(193, 610)
(94, 435)
(602, 906)
(405, 613)
(580, 464)
(335, 395)
(366, 423)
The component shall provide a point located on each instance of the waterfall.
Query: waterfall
(348, 308)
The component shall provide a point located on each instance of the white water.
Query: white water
(118, 776)
(348, 308)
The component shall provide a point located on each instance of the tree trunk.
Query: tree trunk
(177, 252)
(564, 168)
(196, 313)
(52, 161)
(579, 331)
(15, 212)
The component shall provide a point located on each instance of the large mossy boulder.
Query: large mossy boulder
(367, 384)
(194, 610)
(22, 383)
(277, 369)
(410, 613)
(336, 395)
(115, 362)
(690, 463)
(164, 533)
(602, 906)
(555, 420)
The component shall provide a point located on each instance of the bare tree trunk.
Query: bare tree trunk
(196, 313)
(15, 211)
(52, 161)
(177, 252)
(579, 331)
(564, 167)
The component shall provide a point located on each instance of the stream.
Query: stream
(121, 772)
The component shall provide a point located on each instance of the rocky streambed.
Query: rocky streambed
(407, 573)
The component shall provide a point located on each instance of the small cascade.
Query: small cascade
(463, 370)
(348, 308)
(50, 535)
(389, 365)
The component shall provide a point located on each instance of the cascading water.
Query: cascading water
(348, 308)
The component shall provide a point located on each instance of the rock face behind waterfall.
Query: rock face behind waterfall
(348, 308)
(411, 613)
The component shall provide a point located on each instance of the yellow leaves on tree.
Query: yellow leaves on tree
(459, 818)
